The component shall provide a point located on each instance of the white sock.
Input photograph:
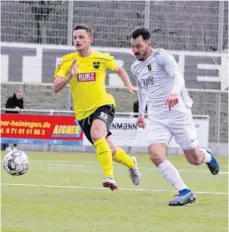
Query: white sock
(171, 174)
(207, 156)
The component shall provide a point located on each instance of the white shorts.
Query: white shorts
(179, 125)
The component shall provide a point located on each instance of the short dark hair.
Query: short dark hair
(86, 27)
(141, 31)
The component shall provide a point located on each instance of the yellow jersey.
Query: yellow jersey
(88, 87)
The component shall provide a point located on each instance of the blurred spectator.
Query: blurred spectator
(14, 102)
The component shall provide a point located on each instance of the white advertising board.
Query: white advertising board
(125, 132)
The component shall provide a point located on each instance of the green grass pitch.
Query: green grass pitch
(63, 193)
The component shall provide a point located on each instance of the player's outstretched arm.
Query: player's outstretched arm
(141, 107)
(125, 79)
(170, 65)
(178, 82)
(141, 123)
(60, 82)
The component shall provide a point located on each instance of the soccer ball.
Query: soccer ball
(16, 163)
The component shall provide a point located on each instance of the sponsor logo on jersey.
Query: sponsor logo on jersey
(148, 82)
(149, 67)
(96, 65)
(86, 77)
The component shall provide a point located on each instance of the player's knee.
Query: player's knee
(98, 130)
(113, 149)
(112, 146)
(155, 158)
(195, 160)
(96, 134)
(157, 154)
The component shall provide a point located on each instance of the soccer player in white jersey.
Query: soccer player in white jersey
(161, 86)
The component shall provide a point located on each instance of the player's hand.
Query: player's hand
(73, 71)
(141, 123)
(132, 89)
(171, 101)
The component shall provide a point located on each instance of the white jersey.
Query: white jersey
(155, 80)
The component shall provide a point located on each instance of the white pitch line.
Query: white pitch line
(89, 163)
(65, 165)
(62, 161)
(66, 162)
(201, 171)
(142, 167)
(98, 188)
(89, 166)
(60, 164)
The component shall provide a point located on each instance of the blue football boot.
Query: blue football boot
(213, 165)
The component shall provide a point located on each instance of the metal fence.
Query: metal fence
(206, 102)
(175, 25)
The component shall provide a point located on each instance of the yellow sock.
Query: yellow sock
(104, 156)
(121, 157)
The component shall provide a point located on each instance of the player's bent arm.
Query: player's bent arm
(178, 82)
(170, 65)
(141, 100)
(124, 76)
(59, 83)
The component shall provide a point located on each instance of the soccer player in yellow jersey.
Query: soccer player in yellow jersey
(85, 71)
